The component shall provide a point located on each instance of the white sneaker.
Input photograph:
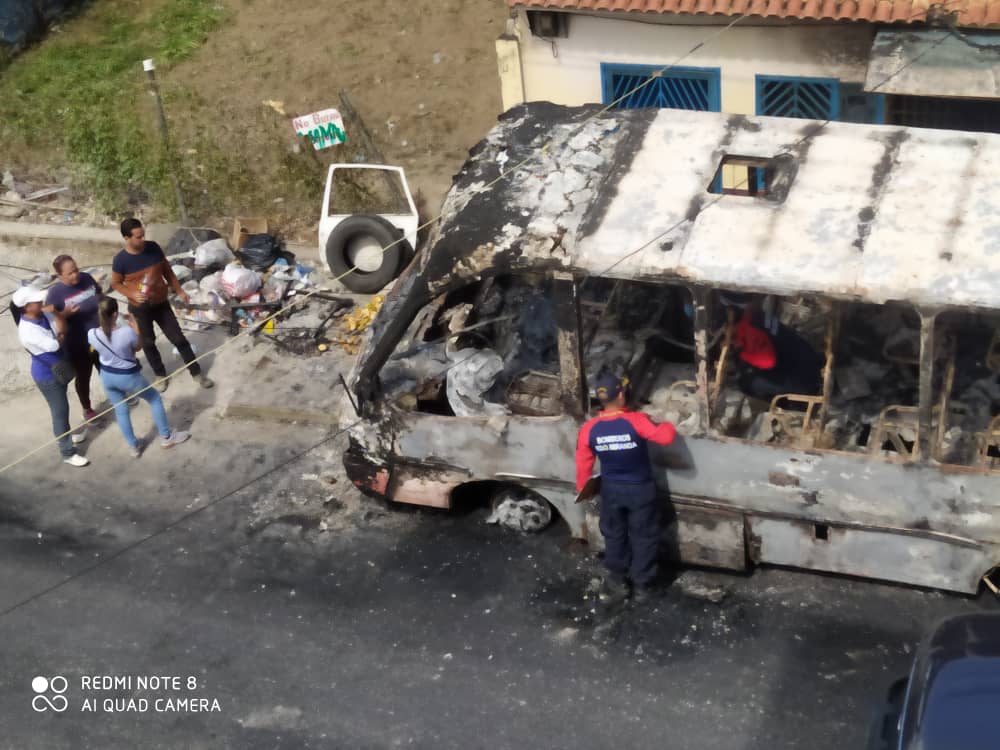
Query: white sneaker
(176, 438)
(76, 460)
(79, 437)
(161, 384)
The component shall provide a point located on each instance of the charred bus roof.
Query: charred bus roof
(863, 212)
(856, 212)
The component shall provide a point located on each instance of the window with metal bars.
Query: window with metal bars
(811, 98)
(676, 88)
(977, 115)
(817, 99)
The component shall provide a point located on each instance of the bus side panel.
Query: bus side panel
(707, 536)
(538, 447)
(869, 553)
(833, 487)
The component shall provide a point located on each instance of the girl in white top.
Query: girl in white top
(122, 376)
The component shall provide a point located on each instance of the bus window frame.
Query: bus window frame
(565, 296)
(703, 296)
(662, 283)
(944, 394)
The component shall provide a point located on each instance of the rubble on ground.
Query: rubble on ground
(44, 202)
(690, 585)
(278, 296)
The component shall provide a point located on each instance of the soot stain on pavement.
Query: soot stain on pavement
(18, 528)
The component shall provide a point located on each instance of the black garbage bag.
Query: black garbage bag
(186, 239)
(259, 251)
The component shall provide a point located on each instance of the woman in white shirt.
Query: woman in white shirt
(45, 347)
(122, 376)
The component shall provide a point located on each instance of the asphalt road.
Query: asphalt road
(411, 628)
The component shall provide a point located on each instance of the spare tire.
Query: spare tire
(366, 252)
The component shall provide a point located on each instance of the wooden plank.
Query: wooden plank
(715, 394)
(925, 412)
(943, 405)
(45, 193)
(831, 340)
(573, 393)
(702, 299)
(40, 206)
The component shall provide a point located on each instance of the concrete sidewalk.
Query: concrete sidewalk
(33, 245)
(65, 232)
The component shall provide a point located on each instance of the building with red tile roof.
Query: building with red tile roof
(904, 62)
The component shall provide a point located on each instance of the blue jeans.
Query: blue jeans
(55, 395)
(631, 525)
(120, 388)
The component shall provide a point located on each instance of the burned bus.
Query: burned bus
(618, 249)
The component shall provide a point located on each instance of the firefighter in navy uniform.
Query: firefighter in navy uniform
(630, 515)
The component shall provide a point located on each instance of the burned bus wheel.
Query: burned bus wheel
(521, 510)
(366, 252)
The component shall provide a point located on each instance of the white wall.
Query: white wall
(741, 52)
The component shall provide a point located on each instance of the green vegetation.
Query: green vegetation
(81, 94)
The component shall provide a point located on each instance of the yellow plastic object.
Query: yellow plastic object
(354, 324)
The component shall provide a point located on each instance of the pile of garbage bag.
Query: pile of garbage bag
(260, 251)
(221, 284)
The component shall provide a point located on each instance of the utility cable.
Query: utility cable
(306, 295)
(173, 524)
(187, 516)
(812, 134)
(503, 175)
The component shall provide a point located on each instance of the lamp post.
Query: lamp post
(154, 89)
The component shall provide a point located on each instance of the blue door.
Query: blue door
(677, 88)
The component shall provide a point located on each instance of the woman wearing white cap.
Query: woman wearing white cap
(45, 347)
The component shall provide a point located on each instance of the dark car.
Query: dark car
(951, 700)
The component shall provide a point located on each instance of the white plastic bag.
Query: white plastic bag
(239, 282)
(212, 282)
(213, 251)
(273, 289)
(183, 273)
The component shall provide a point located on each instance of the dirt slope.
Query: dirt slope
(422, 73)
